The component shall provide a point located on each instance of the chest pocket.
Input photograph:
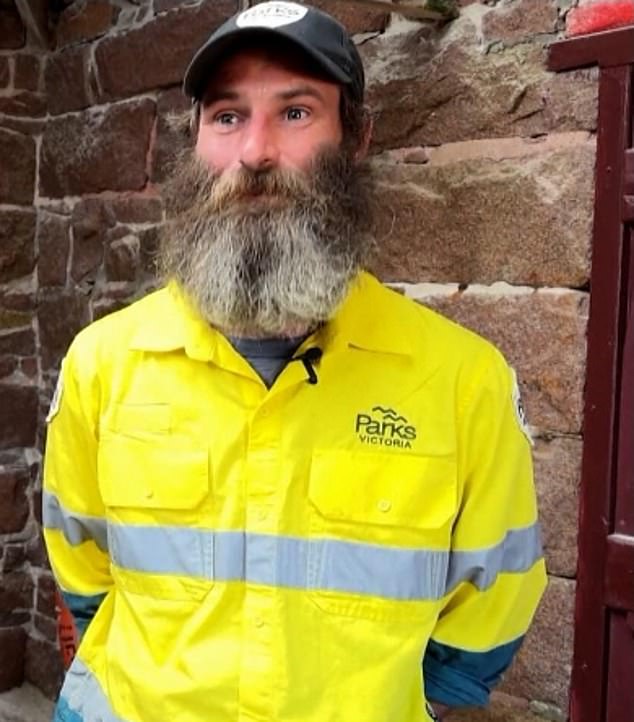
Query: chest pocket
(156, 489)
(380, 532)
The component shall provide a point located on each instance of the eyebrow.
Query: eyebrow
(216, 96)
(299, 90)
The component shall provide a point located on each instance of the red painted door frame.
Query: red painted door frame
(602, 687)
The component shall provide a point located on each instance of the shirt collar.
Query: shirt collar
(371, 317)
(175, 324)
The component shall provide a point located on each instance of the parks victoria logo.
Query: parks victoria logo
(385, 427)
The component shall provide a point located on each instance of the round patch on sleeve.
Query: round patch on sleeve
(271, 15)
(519, 410)
(57, 397)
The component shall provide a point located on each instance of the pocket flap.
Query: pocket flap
(151, 474)
(138, 419)
(409, 491)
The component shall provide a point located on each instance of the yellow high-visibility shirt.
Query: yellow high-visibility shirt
(289, 554)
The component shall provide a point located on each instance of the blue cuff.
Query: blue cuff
(63, 713)
(83, 608)
(459, 678)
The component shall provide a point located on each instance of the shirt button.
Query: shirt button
(261, 514)
(384, 505)
(259, 622)
(149, 494)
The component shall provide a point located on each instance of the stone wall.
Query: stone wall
(487, 165)
(27, 627)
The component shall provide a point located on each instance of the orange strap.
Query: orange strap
(66, 631)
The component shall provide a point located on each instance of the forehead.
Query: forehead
(285, 64)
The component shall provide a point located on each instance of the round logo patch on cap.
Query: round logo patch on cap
(271, 15)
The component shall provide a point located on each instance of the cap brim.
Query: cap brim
(202, 65)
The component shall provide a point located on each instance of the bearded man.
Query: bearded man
(276, 490)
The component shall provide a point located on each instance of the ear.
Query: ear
(364, 144)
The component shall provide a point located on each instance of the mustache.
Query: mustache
(246, 184)
(194, 187)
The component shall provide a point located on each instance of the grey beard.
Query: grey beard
(272, 267)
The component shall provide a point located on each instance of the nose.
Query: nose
(259, 150)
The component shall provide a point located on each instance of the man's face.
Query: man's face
(268, 215)
(261, 112)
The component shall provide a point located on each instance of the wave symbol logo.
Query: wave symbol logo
(389, 414)
(384, 426)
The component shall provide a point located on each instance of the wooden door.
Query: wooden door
(619, 576)
(603, 666)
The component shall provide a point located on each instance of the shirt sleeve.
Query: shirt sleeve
(496, 573)
(75, 530)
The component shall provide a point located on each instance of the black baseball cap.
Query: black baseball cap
(314, 32)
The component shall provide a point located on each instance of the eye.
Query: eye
(226, 118)
(295, 113)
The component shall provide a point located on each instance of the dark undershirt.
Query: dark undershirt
(268, 356)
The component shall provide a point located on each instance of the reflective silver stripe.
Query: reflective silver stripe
(517, 552)
(336, 565)
(318, 564)
(326, 564)
(77, 528)
(229, 556)
(394, 573)
(281, 561)
(162, 550)
(82, 694)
